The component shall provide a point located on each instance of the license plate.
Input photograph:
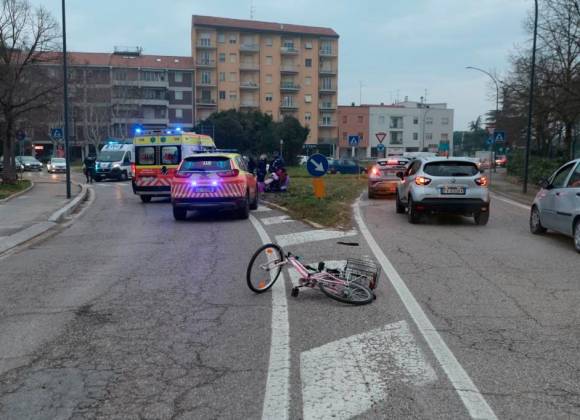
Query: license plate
(147, 178)
(204, 189)
(451, 189)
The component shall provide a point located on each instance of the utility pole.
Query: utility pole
(531, 102)
(65, 84)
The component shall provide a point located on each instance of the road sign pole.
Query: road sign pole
(65, 84)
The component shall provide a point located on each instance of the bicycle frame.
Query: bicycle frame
(312, 279)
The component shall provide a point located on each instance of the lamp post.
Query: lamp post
(531, 102)
(492, 148)
(65, 89)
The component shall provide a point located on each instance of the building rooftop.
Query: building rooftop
(119, 60)
(254, 25)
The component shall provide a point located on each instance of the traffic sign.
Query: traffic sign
(20, 135)
(380, 147)
(489, 141)
(317, 165)
(56, 133)
(353, 140)
(381, 136)
(499, 136)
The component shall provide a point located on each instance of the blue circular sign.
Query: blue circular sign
(381, 147)
(317, 165)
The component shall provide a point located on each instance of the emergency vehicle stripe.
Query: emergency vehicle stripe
(185, 190)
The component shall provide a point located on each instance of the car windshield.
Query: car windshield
(110, 156)
(450, 168)
(57, 160)
(28, 159)
(205, 164)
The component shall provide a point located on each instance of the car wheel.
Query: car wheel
(577, 235)
(179, 213)
(412, 215)
(145, 198)
(535, 223)
(399, 206)
(481, 217)
(244, 211)
(254, 205)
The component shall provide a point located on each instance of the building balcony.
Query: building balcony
(205, 45)
(249, 47)
(205, 63)
(249, 103)
(290, 69)
(126, 82)
(327, 89)
(249, 85)
(205, 103)
(328, 140)
(154, 83)
(288, 106)
(249, 66)
(327, 106)
(154, 101)
(140, 120)
(289, 87)
(288, 51)
(327, 52)
(327, 124)
(206, 83)
(327, 71)
(396, 127)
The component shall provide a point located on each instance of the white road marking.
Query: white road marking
(262, 208)
(312, 236)
(470, 395)
(275, 220)
(512, 202)
(277, 396)
(347, 377)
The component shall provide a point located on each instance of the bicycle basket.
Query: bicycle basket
(364, 271)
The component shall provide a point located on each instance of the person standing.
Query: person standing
(262, 170)
(89, 167)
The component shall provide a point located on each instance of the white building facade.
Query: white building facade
(410, 127)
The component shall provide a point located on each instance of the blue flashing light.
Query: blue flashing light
(194, 183)
(214, 183)
(138, 131)
(168, 132)
(178, 129)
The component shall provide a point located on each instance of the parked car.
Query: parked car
(383, 177)
(345, 166)
(19, 166)
(30, 163)
(443, 185)
(557, 204)
(501, 160)
(56, 165)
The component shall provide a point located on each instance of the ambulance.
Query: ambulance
(114, 161)
(157, 156)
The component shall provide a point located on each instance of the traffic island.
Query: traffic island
(9, 191)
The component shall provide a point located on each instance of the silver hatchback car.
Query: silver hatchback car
(443, 185)
(557, 204)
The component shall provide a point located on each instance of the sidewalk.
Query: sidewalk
(504, 185)
(36, 211)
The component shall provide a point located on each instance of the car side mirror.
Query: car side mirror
(400, 175)
(545, 184)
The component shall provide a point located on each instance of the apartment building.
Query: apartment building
(402, 127)
(112, 93)
(279, 69)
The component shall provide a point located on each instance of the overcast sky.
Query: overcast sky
(395, 47)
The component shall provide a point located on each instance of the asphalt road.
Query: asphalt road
(128, 314)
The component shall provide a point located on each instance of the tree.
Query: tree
(27, 37)
(293, 134)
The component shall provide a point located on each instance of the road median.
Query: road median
(10, 191)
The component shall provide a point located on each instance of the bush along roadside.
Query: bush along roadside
(6, 190)
(538, 168)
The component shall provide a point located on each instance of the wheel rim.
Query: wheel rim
(264, 268)
(351, 292)
(535, 218)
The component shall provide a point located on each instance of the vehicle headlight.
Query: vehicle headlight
(116, 165)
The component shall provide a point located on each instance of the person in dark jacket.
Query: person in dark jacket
(89, 168)
(261, 171)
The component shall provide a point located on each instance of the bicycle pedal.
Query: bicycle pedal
(294, 292)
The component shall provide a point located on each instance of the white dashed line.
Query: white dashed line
(512, 202)
(262, 208)
(275, 220)
(470, 395)
(312, 236)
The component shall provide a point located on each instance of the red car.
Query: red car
(213, 181)
(501, 160)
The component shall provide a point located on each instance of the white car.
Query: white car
(443, 185)
(56, 165)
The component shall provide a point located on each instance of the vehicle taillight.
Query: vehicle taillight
(182, 174)
(482, 181)
(133, 166)
(392, 162)
(375, 171)
(233, 172)
(422, 180)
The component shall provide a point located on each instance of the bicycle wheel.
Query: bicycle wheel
(347, 292)
(263, 270)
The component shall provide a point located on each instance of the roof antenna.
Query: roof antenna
(252, 10)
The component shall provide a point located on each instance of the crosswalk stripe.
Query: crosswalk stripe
(275, 220)
(312, 236)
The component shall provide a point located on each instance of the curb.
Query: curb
(284, 209)
(37, 229)
(24, 191)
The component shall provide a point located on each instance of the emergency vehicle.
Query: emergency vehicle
(157, 156)
(114, 161)
(218, 180)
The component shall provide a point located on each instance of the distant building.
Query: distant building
(279, 69)
(112, 93)
(403, 127)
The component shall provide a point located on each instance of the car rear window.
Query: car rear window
(205, 163)
(392, 162)
(451, 169)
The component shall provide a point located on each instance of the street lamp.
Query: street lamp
(492, 148)
(65, 89)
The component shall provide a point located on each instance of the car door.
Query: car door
(409, 179)
(567, 202)
(549, 201)
(248, 176)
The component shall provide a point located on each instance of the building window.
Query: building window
(205, 39)
(415, 120)
(269, 59)
(326, 47)
(361, 136)
(268, 78)
(288, 43)
(307, 80)
(222, 76)
(444, 120)
(428, 136)
(233, 39)
(179, 113)
(326, 119)
(382, 119)
(307, 116)
(178, 95)
(308, 98)
(222, 94)
(178, 76)
(268, 41)
(308, 45)
(396, 137)
(233, 95)
(396, 122)
(268, 97)
(233, 76)
(444, 136)
(344, 119)
(415, 136)
(222, 57)
(326, 83)
(429, 120)
(308, 62)
(360, 119)
(233, 58)
(205, 77)
(221, 38)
